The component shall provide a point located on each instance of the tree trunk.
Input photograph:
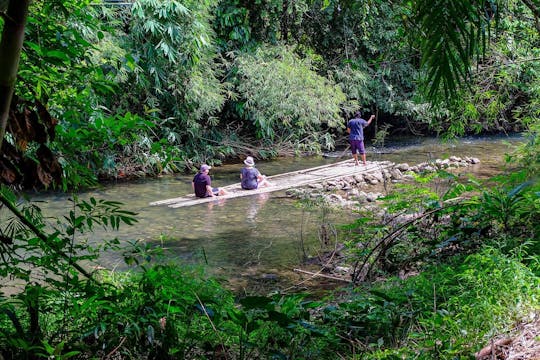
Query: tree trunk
(10, 51)
(534, 6)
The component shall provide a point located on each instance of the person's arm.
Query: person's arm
(370, 119)
(209, 191)
(259, 176)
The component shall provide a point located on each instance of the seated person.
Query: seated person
(202, 184)
(250, 177)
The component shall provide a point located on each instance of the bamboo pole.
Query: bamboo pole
(283, 181)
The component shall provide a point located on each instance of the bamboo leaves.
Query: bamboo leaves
(284, 96)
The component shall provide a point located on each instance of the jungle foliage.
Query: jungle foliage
(461, 268)
(205, 79)
(111, 89)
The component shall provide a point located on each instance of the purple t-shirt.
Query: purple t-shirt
(357, 128)
(200, 181)
(249, 178)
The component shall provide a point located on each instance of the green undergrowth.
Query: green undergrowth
(472, 273)
(446, 312)
(171, 312)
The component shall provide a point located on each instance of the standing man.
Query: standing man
(355, 128)
(202, 184)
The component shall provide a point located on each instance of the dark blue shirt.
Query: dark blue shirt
(249, 178)
(200, 181)
(357, 126)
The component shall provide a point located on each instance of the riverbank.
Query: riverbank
(253, 243)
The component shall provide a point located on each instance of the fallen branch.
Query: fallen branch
(321, 275)
(109, 355)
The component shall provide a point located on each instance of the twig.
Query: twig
(211, 322)
(116, 348)
(392, 236)
(318, 273)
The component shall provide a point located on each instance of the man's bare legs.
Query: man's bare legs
(263, 182)
(364, 159)
(355, 157)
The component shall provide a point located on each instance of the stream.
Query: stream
(254, 239)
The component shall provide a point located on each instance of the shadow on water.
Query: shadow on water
(255, 237)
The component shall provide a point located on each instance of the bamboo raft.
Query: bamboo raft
(284, 181)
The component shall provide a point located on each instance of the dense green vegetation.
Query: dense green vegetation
(461, 269)
(112, 89)
(143, 87)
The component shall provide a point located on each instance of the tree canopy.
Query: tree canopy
(148, 86)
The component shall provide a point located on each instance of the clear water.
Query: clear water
(257, 238)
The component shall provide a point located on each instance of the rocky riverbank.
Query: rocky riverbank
(353, 191)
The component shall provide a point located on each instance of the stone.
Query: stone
(403, 167)
(371, 197)
(353, 192)
(342, 269)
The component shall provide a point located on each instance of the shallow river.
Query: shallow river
(258, 237)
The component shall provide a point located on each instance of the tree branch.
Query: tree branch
(534, 6)
(10, 48)
(42, 236)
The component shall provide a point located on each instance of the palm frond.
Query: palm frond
(452, 33)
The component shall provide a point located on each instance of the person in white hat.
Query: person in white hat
(250, 177)
(202, 184)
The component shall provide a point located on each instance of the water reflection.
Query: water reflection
(256, 234)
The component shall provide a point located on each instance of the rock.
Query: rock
(403, 167)
(371, 197)
(270, 277)
(379, 176)
(342, 269)
(336, 199)
(475, 160)
(396, 174)
(353, 193)
(442, 164)
(331, 183)
(358, 178)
